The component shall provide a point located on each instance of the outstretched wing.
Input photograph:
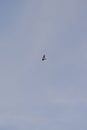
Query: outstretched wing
(44, 56)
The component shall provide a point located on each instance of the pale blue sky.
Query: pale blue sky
(50, 95)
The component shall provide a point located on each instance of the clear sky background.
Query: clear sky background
(49, 95)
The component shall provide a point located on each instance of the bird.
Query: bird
(44, 57)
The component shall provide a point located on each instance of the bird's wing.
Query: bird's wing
(43, 56)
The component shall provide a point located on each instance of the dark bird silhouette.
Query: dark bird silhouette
(44, 57)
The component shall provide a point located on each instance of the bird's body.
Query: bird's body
(43, 58)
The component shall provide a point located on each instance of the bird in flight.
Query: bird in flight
(44, 57)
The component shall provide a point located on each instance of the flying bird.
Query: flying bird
(44, 57)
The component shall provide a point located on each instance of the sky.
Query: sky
(36, 94)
